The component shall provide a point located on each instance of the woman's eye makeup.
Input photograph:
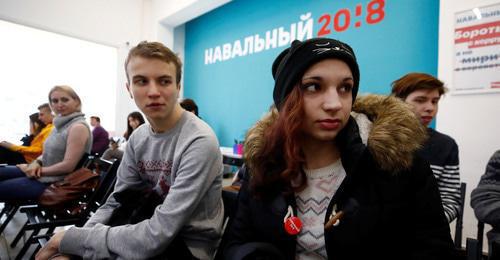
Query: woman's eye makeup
(311, 87)
(56, 100)
(346, 88)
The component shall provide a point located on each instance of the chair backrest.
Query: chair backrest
(85, 161)
(460, 217)
(229, 198)
(495, 250)
(480, 232)
(474, 247)
(108, 171)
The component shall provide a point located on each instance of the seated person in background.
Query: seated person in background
(176, 156)
(28, 138)
(422, 92)
(485, 199)
(328, 184)
(99, 136)
(189, 105)
(46, 117)
(113, 152)
(117, 146)
(15, 154)
(134, 120)
(62, 150)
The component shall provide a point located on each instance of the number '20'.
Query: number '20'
(342, 18)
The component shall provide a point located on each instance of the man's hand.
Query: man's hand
(51, 248)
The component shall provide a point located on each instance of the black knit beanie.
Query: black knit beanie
(291, 64)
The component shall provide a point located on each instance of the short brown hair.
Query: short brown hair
(96, 118)
(155, 50)
(189, 105)
(410, 82)
(45, 106)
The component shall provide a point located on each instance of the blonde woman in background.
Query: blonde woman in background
(63, 149)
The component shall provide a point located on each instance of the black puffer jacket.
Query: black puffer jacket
(391, 197)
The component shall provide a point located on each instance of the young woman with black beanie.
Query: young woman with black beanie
(331, 178)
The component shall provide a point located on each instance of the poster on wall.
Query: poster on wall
(229, 51)
(477, 51)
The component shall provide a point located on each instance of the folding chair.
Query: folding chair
(460, 217)
(10, 208)
(495, 250)
(40, 218)
(474, 247)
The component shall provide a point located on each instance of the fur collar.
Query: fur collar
(387, 126)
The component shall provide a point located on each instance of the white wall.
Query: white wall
(178, 48)
(118, 23)
(110, 22)
(471, 119)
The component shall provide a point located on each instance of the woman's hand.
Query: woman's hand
(51, 249)
(24, 168)
(32, 170)
(6, 144)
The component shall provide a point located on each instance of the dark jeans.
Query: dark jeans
(15, 186)
(10, 157)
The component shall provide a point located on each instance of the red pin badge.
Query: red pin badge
(292, 224)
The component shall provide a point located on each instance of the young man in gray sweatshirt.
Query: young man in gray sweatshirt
(176, 155)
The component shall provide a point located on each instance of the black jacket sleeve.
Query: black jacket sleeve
(240, 240)
(432, 238)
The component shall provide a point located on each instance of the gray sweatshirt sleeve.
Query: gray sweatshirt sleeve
(485, 199)
(198, 168)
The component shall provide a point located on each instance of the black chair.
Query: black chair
(474, 247)
(460, 217)
(40, 218)
(230, 160)
(230, 200)
(495, 250)
(10, 208)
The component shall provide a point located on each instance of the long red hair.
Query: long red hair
(281, 158)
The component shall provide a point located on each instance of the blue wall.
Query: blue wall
(233, 94)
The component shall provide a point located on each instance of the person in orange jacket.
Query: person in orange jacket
(40, 128)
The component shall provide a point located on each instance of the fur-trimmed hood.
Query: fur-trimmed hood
(387, 126)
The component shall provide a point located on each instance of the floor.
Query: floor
(6, 252)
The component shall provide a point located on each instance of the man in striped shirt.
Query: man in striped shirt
(423, 92)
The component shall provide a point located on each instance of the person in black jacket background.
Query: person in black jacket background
(423, 92)
(324, 182)
(485, 200)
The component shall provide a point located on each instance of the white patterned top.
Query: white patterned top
(312, 203)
